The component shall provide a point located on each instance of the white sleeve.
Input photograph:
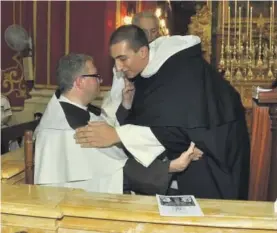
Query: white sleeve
(140, 142)
(113, 99)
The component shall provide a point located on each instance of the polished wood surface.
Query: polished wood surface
(48, 209)
(12, 167)
(263, 168)
(29, 157)
(260, 153)
(272, 186)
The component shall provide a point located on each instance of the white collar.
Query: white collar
(163, 48)
(64, 99)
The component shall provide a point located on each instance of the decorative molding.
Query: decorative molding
(13, 79)
(201, 26)
(67, 26)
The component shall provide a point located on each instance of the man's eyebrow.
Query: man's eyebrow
(120, 56)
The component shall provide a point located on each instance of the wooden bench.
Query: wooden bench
(17, 167)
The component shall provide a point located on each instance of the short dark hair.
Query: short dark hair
(131, 33)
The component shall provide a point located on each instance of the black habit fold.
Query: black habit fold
(188, 100)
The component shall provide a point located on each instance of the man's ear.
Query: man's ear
(78, 83)
(143, 52)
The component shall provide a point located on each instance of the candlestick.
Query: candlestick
(229, 17)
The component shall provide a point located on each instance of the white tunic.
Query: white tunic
(59, 161)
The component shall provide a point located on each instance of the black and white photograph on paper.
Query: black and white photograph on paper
(185, 205)
(177, 201)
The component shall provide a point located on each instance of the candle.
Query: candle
(239, 26)
(236, 19)
(229, 27)
(250, 44)
(223, 15)
(247, 19)
(273, 17)
(270, 29)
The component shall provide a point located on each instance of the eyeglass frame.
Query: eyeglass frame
(97, 76)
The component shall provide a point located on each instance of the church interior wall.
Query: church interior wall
(56, 28)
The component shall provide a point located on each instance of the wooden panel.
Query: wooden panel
(77, 209)
(83, 225)
(260, 156)
(15, 229)
(17, 179)
(15, 223)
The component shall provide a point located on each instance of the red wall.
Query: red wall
(90, 26)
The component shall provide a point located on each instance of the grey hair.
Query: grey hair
(69, 67)
(145, 14)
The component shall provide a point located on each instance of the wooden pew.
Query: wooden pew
(263, 165)
(29, 157)
(13, 132)
(37, 209)
(17, 167)
(13, 167)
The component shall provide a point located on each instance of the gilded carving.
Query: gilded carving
(13, 79)
(201, 26)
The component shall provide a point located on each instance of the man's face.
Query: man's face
(128, 61)
(90, 85)
(150, 28)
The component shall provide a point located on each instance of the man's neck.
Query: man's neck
(75, 99)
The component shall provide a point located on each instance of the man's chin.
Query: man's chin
(131, 76)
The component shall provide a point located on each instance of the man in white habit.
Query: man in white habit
(147, 21)
(61, 162)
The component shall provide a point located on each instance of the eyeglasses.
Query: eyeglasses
(97, 76)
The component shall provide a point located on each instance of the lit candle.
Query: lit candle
(239, 26)
(250, 44)
(229, 27)
(236, 19)
(247, 19)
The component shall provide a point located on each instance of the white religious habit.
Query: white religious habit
(5, 110)
(59, 161)
(146, 148)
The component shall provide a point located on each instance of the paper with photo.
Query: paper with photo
(184, 205)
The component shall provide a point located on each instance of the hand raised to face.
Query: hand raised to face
(128, 93)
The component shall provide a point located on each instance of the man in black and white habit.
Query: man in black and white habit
(177, 97)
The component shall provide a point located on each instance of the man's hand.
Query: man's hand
(96, 134)
(128, 94)
(181, 163)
